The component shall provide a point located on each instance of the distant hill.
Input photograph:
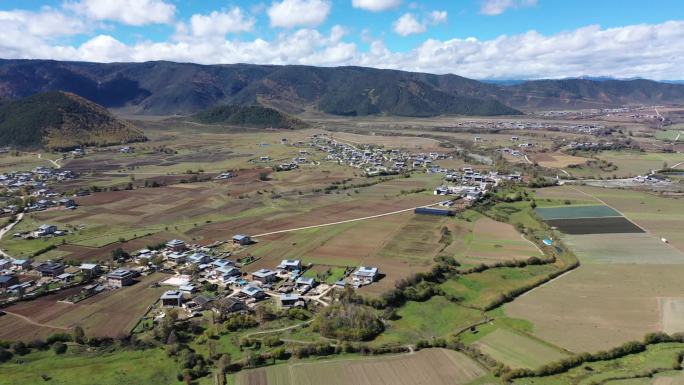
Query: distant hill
(167, 88)
(248, 116)
(585, 93)
(59, 120)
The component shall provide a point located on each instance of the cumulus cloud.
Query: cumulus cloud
(216, 24)
(644, 50)
(376, 5)
(294, 13)
(497, 7)
(46, 23)
(408, 23)
(131, 12)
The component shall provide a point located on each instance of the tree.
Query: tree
(78, 335)
(5, 355)
(119, 254)
(19, 348)
(59, 347)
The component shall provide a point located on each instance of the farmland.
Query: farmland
(622, 248)
(108, 314)
(517, 350)
(479, 239)
(432, 366)
(661, 216)
(628, 163)
(602, 305)
(481, 282)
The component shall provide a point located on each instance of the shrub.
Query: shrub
(5, 355)
(59, 347)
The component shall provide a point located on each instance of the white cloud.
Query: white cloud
(376, 5)
(644, 50)
(131, 12)
(293, 13)
(497, 7)
(46, 23)
(438, 17)
(216, 24)
(408, 23)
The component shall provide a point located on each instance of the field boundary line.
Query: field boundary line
(344, 221)
(563, 219)
(546, 283)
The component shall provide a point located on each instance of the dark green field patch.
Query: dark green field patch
(576, 212)
(609, 225)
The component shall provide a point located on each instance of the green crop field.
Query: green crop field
(670, 135)
(572, 212)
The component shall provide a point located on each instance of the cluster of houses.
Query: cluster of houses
(21, 276)
(374, 160)
(35, 179)
(286, 282)
(498, 125)
(594, 146)
(471, 184)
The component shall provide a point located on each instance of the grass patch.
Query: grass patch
(436, 317)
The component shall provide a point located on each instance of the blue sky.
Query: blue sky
(476, 38)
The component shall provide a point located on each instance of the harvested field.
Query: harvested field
(672, 314)
(641, 248)
(101, 254)
(556, 159)
(13, 327)
(562, 193)
(429, 366)
(576, 212)
(600, 306)
(606, 225)
(518, 351)
(109, 314)
(407, 142)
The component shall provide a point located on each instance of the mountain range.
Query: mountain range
(167, 88)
